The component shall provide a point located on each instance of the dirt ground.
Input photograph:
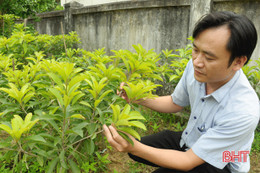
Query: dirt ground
(255, 163)
(121, 163)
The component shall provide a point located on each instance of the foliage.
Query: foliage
(175, 64)
(253, 74)
(7, 24)
(26, 8)
(71, 93)
(23, 44)
(58, 7)
(256, 143)
(19, 126)
(19, 149)
(125, 119)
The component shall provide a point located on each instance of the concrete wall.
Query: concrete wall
(249, 8)
(90, 2)
(154, 27)
(155, 24)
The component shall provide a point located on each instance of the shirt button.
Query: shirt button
(202, 100)
(186, 133)
(195, 117)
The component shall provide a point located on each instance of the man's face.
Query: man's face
(210, 57)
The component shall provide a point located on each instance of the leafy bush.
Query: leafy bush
(70, 93)
(7, 24)
(253, 74)
(26, 8)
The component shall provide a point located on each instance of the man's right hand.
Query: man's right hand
(121, 92)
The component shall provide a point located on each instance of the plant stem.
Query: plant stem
(23, 151)
(23, 108)
(80, 141)
(120, 93)
(63, 128)
(13, 64)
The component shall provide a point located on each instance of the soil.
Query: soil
(121, 163)
(255, 163)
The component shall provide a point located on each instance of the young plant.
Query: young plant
(21, 96)
(19, 126)
(20, 149)
(139, 65)
(124, 120)
(96, 89)
(141, 90)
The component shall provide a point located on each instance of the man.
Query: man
(224, 107)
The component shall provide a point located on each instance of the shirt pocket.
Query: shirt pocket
(202, 128)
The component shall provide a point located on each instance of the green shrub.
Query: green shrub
(71, 93)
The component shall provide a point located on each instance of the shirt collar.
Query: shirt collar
(219, 94)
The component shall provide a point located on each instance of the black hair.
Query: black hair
(243, 37)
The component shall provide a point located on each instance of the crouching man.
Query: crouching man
(224, 106)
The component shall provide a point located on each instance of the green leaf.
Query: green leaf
(79, 116)
(40, 160)
(105, 94)
(4, 144)
(128, 92)
(85, 103)
(137, 124)
(36, 138)
(73, 88)
(57, 94)
(96, 103)
(28, 96)
(62, 159)
(55, 78)
(126, 110)
(76, 98)
(116, 112)
(122, 122)
(76, 131)
(53, 124)
(130, 132)
(75, 80)
(74, 167)
(126, 137)
(91, 128)
(134, 115)
(52, 165)
(90, 146)
(7, 129)
(28, 118)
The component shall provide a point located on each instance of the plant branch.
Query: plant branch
(25, 152)
(79, 141)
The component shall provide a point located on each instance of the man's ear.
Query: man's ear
(239, 62)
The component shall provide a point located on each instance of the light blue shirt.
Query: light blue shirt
(222, 121)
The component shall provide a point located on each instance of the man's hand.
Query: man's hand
(166, 158)
(122, 93)
(117, 141)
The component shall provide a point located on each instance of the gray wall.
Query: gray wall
(155, 24)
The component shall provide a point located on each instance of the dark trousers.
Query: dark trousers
(171, 140)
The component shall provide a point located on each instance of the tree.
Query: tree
(26, 8)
